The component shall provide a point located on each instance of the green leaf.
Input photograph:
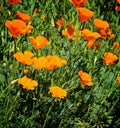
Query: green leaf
(2, 78)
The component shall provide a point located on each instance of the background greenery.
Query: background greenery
(97, 106)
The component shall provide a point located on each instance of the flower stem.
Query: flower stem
(47, 115)
(15, 46)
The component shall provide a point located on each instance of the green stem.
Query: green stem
(13, 105)
(15, 46)
(47, 115)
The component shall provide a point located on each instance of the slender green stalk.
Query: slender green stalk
(15, 46)
(47, 115)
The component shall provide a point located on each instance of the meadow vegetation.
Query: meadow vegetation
(59, 64)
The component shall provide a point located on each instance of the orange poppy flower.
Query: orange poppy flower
(118, 1)
(18, 27)
(89, 35)
(103, 28)
(39, 42)
(109, 58)
(25, 58)
(90, 44)
(60, 22)
(115, 46)
(58, 92)
(117, 8)
(15, 27)
(23, 16)
(118, 80)
(12, 2)
(39, 63)
(101, 24)
(109, 32)
(85, 78)
(69, 32)
(54, 62)
(78, 3)
(103, 33)
(112, 36)
(85, 14)
(27, 83)
(27, 29)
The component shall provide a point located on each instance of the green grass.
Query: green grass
(96, 106)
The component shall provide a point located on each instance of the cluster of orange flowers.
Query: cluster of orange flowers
(85, 78)
(91, 38)
(19, 27)
(84, 13)
(49, 62)
(103, 28)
